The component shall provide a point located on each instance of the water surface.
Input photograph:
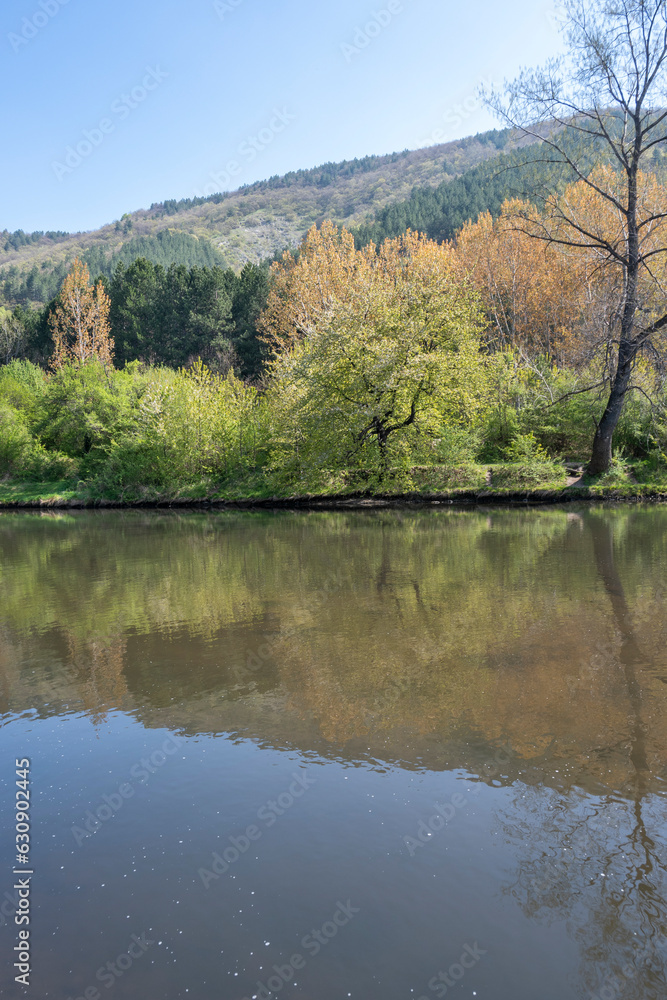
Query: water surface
(379, 755)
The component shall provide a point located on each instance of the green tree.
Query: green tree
(135, 322)
(250, 295)
(400, 355)
(12, 336)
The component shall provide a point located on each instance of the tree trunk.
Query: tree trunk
(601, 454)
(382, 437)
(627, 349)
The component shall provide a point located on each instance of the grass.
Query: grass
(527, 475)
(624, 479)
(22, 491)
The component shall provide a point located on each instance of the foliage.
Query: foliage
(534, 299)
(170, 316)
(189, 426)
(405, 366)
(21, 386)
(327, 270)
(41, 284)
(23, 457)
(384, 358)
(253, 224)
(80, 321)
(12, 241)
(525, 446)
(12, 336)
(163, 316)
(15, 440)
(176, 315)
(608, 88)
(440, 212)
(85, 409)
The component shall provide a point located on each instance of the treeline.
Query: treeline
(174, 315)
(172, 206)
(166, 316)
(12, 241)
(322, 176)
(325, 174)
(41, 284)
(413, 365)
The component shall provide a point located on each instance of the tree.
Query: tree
(548, 300)
(397, 350)
(134, 292)
(80, 321)
(250, 299)
(325, 271)
(209, 323)
(12, 336)
(177, 315)
(611, 90)
(529, 290)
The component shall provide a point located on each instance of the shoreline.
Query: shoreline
(360, 501)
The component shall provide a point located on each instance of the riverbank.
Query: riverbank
(59, 496)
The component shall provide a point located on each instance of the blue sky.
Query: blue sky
(110, 105)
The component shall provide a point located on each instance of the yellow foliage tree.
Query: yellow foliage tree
(330, 272)
(529, 289)
(325, 272)
(546, 296)
(80, 322)
(367, 362)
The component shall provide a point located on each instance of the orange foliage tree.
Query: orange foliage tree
(607, 92)
(80, 321)
(328, 267)
(529, 290)
(543, 296)
(330, 272)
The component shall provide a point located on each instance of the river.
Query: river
(380, 755)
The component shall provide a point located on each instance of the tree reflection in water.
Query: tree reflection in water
(424, 642)
(598, 863)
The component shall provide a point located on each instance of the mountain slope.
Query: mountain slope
(253, 223)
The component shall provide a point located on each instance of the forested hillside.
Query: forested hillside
(230, 229)
(521, 173)
(41, 284)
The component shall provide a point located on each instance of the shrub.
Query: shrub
(16, 442)
(526, 448)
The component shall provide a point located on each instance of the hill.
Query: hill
(440, 212)
(250, 224)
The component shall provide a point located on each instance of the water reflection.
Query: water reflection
(416, 642)
(596, 863)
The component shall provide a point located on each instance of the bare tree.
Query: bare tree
(607, 93)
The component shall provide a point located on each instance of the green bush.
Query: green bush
(454, 446)
(16, 443)
(84, 410)
(653, 469)
(24, 458)
(49, 466)
(526, 448)
(21, 385)
(134, 464)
